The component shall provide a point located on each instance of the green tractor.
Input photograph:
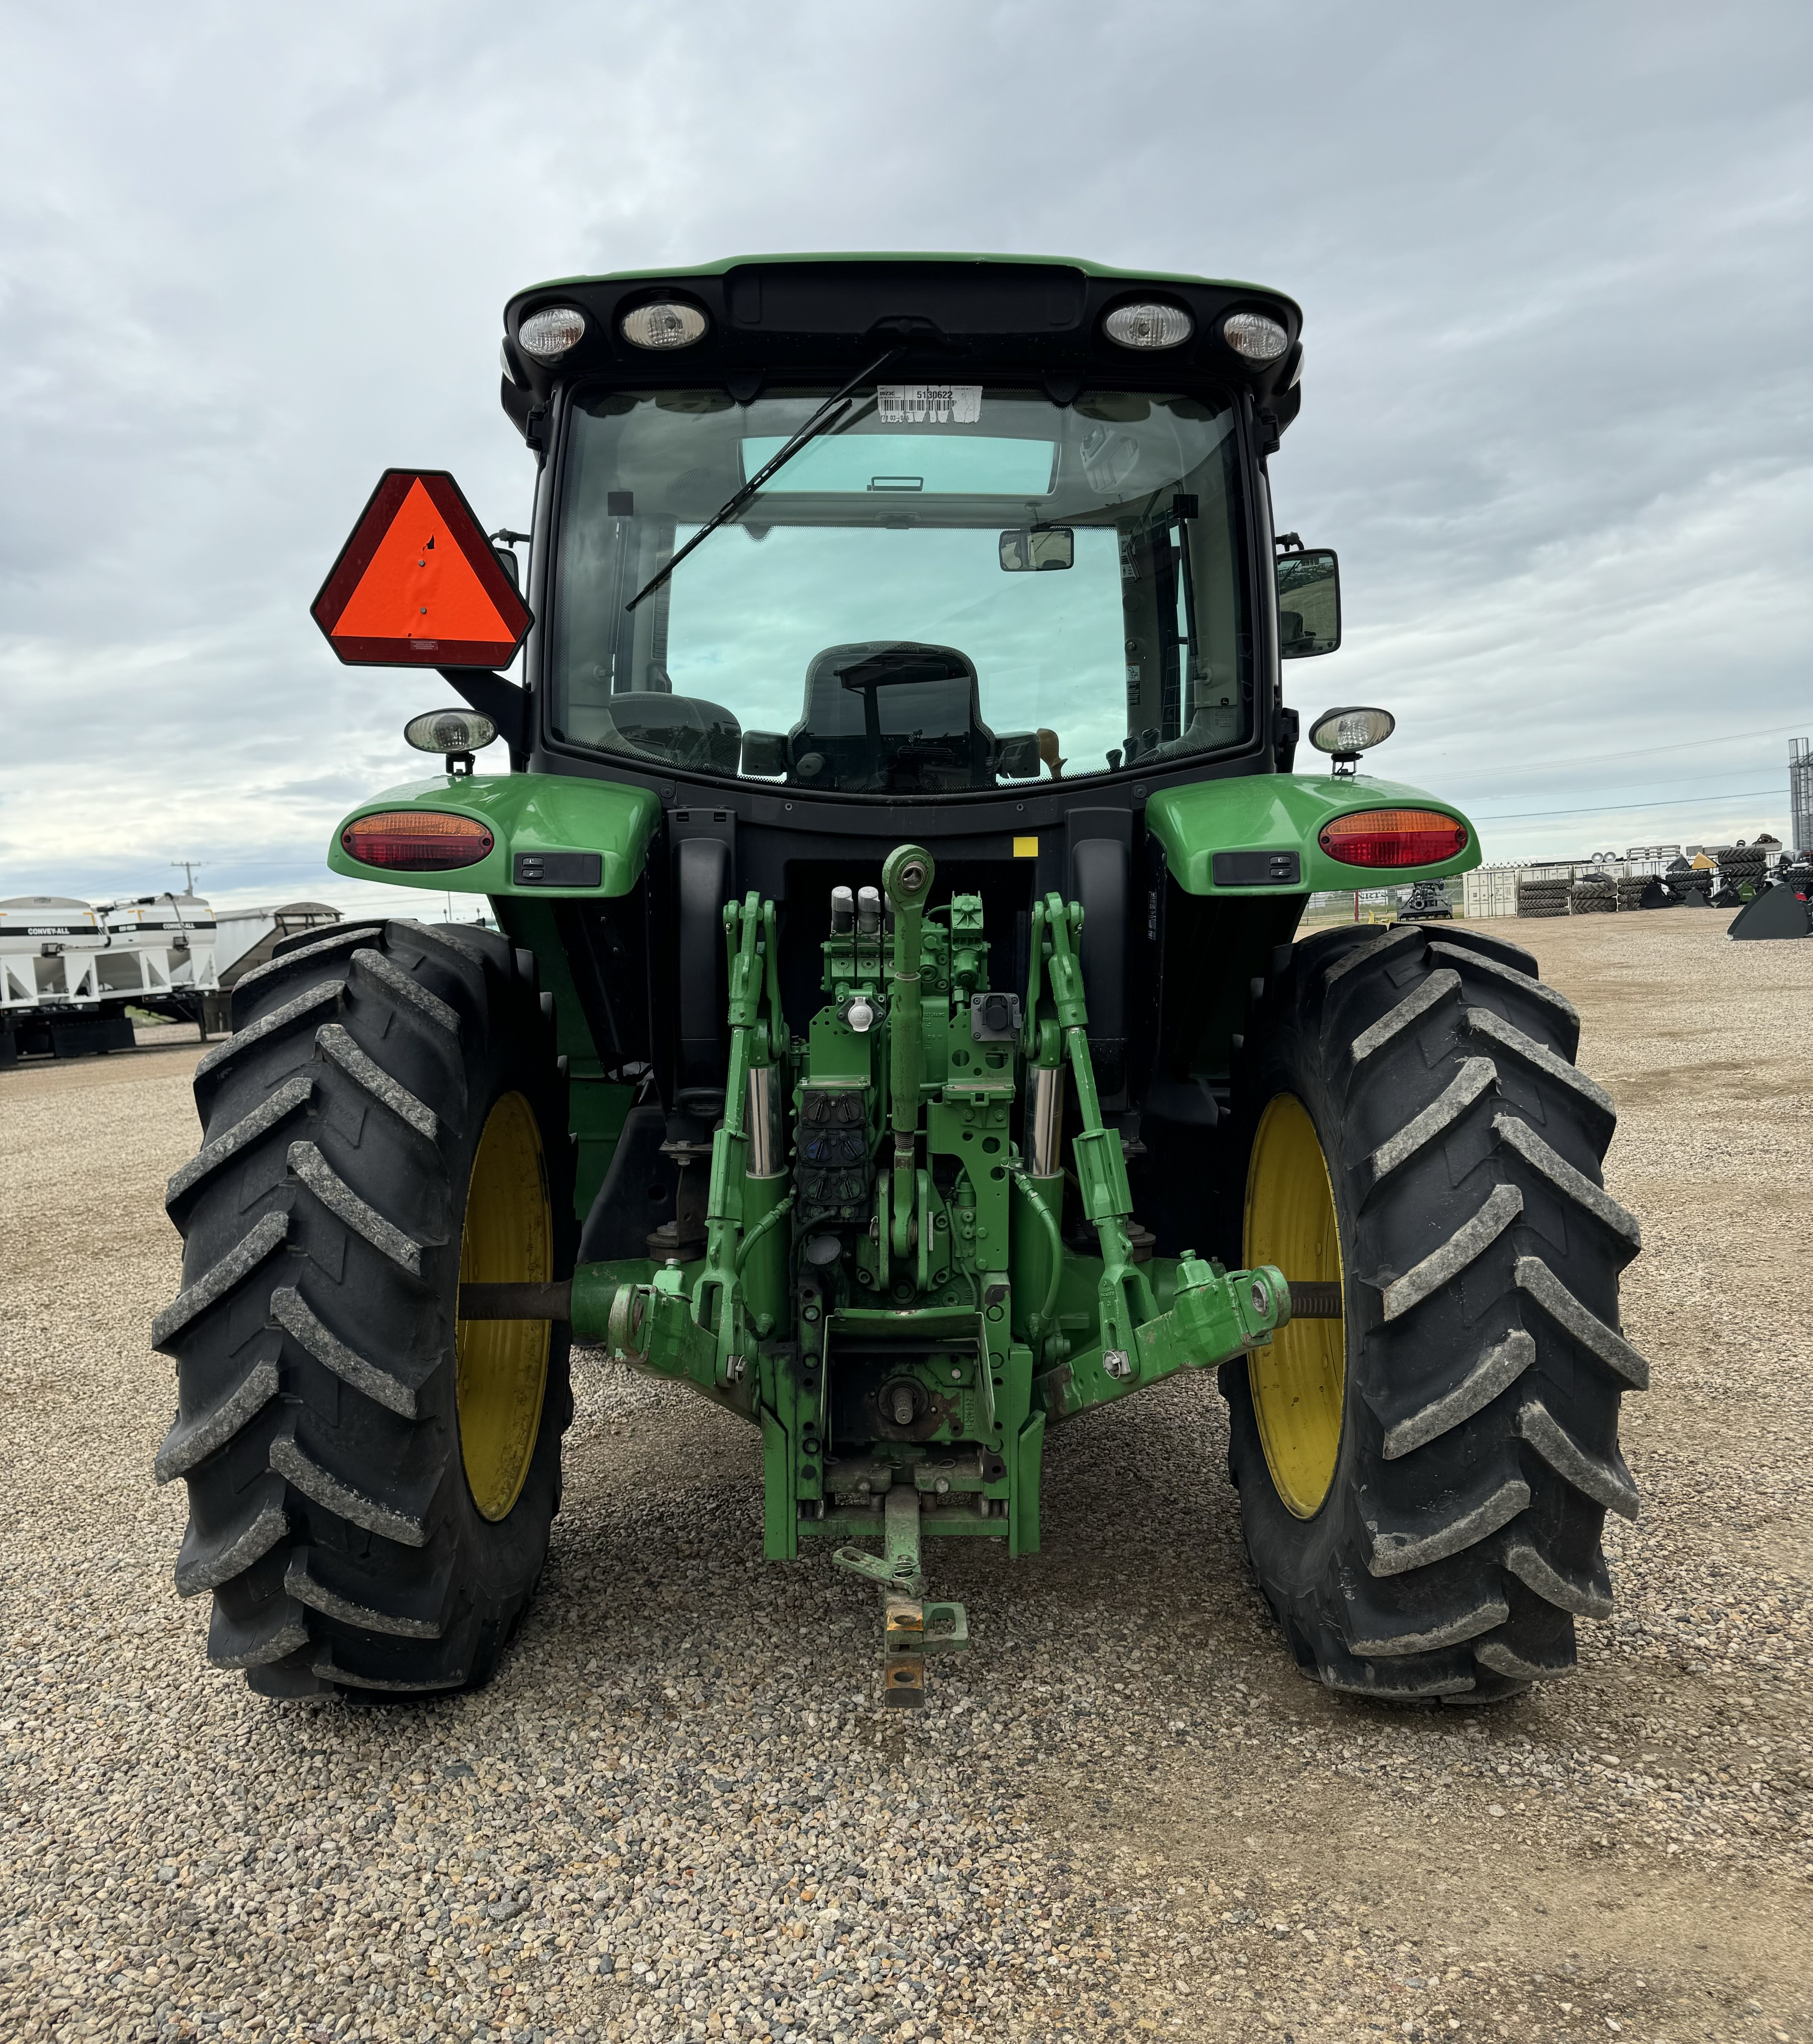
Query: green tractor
(896, 1026)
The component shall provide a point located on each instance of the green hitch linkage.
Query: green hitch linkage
(1125, 1297)
(906, 874)
(912, 1628)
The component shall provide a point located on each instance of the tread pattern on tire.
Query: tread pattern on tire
(313, 1336)
(1461, 1537)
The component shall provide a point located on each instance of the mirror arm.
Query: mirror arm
(505, 704)
(1285, 732)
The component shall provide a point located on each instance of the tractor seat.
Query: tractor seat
(680, 730)
(892, 716)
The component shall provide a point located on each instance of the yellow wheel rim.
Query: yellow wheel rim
(501, 1365)
(1298, 1382)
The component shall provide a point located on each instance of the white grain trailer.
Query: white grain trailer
(244, 939)
(70, 970)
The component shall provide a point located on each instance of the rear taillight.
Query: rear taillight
(1393, 837)
(416, 840)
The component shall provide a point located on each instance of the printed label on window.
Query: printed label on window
(929, 404)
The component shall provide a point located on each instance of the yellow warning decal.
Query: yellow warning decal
(1026, 847)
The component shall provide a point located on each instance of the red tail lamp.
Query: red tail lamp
(416, 840)
(1393, 837)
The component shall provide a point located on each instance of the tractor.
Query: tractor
(896, 1026)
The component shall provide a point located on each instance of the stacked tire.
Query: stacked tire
(1742, 866)
(1631, 886)
(1542, 897)
(1473, 1452)
(371, 1493)
(1593, 894)
(1741, 872)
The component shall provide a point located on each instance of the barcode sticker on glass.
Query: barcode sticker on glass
(929, 404)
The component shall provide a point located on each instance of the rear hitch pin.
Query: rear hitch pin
(911, 1627)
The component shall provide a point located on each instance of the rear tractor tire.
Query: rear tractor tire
(1423, 1483)
(372, 1480)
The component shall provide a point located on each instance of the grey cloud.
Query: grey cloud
(1552, 259)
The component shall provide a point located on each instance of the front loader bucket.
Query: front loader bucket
(1781, 912)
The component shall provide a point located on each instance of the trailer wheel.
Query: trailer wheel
(1423, 1482)
(372, 1480)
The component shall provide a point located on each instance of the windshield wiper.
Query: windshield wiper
(821, 421)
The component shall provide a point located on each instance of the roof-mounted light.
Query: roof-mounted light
(551, 333)
(667, 323)
(1149, 325)
(1255, 336)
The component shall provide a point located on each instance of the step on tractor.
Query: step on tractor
(896, 1027)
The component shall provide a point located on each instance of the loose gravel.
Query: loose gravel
(677, 1814)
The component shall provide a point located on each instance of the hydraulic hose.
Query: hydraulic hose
(772, 1219)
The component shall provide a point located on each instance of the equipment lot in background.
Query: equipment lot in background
(1123, 1813)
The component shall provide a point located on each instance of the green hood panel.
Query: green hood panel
(1282, 813)
(531, 813)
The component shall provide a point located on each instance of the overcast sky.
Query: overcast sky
(1554, 259)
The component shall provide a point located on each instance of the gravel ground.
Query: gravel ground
(676, 1813)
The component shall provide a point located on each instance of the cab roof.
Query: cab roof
(946, 315)
(726, 263)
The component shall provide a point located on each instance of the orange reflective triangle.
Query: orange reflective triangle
(419, 585)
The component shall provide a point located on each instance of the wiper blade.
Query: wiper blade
(821, 421)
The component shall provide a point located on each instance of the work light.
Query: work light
(667, 323)
(550, 334)
(1254, 335)
(449, 730)
(1351, 731)
(1149, 325)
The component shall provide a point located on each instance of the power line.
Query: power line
(1648, 752)
(1608, 808)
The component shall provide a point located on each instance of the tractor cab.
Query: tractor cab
(1093, 564)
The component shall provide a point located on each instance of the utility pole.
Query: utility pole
(190, 867)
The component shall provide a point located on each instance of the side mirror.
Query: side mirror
(1034, 549)
(506, 557)
(764, 755)
(1309, 604)
(1017, 755)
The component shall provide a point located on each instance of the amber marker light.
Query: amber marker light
(1393, 837)
(416, 840)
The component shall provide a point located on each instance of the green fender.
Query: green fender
(1284, 812)
(524, 813)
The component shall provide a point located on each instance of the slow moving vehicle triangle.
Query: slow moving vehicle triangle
(417, 584)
